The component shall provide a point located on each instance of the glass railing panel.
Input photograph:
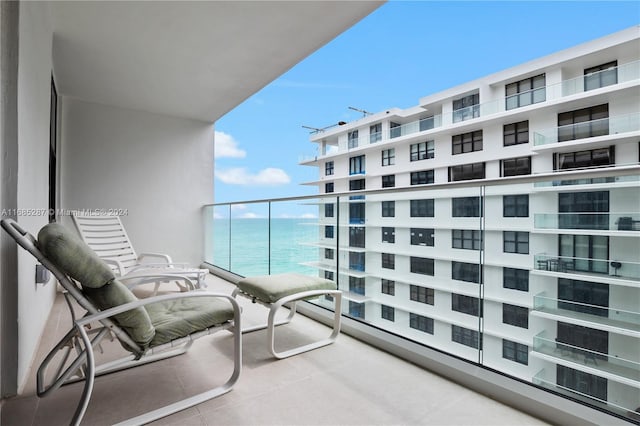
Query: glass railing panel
(612, 180)
(586, 221)
(218, 235)
(623, 318)
(621, 74)
(375, 137)
(612, 364)
(580, 265)
(588, 129)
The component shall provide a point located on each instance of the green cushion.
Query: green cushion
(74, 258)
(270, 288)
(178, 318)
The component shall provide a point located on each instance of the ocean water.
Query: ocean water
(242, 245)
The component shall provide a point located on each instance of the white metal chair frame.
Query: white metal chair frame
(107, 236)
(83, 366)
(291, 301)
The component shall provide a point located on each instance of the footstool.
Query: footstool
(274, 291)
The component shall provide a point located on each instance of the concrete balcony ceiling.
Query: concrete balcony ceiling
(188, 59)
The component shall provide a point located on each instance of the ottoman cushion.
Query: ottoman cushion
(271, 288)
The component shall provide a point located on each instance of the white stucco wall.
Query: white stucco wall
(159, 168)
(34, 76)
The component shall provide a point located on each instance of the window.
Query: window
(515, 242)
(421, 265)
(579, 336)
(583, 210)
(356, 285)
(328, 168)
(422, 236)
(465, 304)
(515, 133)
(469, 272)
(421, 323)
(422, 177)
(466, 336)
(352, 139)
(591, 158)
(525, 92)
(356, 165)
(516, 166)
(356, 261)
(466, 108)
(328, 231)
(328, 275)
(465, 207)
(583, 123)
(388, 208)
(356, 309)
(388, 181)
(421, 208)
(328, 253)
(387, 312)
(467, 239)
(328, 187)
(588, 297)
(421, 151)
(356, 184)
(388, 157)
(388, 234)
(515, 279)
(356, 213)
(601, 76)
(328, 210)
(515, 352)
(515, 315)
(467, 142)
(388, 260)
(375, 133)
(466, 172)
(515, 205)
(356, 236)
(581, 382)
(587, 253)
(421, 294)
(388, 287)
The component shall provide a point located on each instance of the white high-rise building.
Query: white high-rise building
(536, 275)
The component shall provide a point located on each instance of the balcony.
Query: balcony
(299, 246)
(617, 125)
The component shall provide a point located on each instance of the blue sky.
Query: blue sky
(401, 52)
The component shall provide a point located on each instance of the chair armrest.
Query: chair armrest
(120, 267)
(162, 256)
(107, 313)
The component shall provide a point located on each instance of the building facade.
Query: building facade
(535, 278)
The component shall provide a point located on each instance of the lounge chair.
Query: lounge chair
(107, 237)
(150, 329)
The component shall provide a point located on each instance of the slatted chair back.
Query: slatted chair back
(107, 237)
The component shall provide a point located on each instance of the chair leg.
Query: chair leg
(271, 325)
(89, 379)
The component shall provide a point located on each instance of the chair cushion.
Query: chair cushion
(74, 258)
(173, 319)
(270, 288)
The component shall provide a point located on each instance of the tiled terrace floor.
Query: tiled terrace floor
(347, 383)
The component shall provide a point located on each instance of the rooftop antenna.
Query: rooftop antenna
(364, 113)
(315, 129)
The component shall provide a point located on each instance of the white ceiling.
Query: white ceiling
(188, 59)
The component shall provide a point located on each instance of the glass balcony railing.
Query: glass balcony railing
(588, 129)
(605, 315)
(612, 365)
(629, 270)
(588, 221)
(609, 181)
(617, 75)
(451, 266)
